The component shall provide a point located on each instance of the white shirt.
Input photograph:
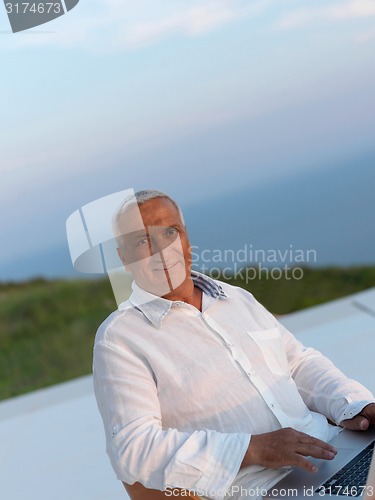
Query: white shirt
(181, 391)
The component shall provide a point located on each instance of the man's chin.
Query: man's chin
(169, 284)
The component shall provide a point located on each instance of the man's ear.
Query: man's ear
(120, 253)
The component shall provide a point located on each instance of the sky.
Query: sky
(196, 98)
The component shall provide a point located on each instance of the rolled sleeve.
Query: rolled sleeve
(139, 448)
(209, 463)
(352, 409)
(323, 387)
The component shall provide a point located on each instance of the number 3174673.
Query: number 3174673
(33, 8)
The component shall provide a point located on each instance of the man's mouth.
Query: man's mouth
(166, 267)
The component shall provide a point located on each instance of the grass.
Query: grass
(47, 331)
(47, 328)
(318, 285)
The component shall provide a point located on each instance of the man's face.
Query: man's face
(156, 247)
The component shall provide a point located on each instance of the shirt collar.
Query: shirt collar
(156, 308)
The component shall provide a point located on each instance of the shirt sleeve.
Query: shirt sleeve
(138, 446)
(323, 387)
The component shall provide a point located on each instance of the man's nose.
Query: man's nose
(160, 239)
(158, 243)
(156, 246)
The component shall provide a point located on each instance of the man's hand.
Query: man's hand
(286, 447)
(362, 421)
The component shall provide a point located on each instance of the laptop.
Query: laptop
(348, 475)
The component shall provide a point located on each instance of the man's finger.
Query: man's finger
(309, 440)
(299, 461)
(369, 412)
(310, 450)
(357, 423)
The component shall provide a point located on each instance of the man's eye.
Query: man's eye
(142, 241)
(171, 231)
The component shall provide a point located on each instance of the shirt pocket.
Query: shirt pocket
(272, 348)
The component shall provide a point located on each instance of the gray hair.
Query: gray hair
(139, 198)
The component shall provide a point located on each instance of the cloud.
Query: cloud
(341, 11)
(194, 21)
(147, 22)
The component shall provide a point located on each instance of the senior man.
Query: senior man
(198, 385)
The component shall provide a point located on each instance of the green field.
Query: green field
(47, 328)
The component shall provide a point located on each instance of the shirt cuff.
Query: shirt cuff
(224, 465)
(352, 409)
(210, 472)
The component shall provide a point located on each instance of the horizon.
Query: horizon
(337, 230)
